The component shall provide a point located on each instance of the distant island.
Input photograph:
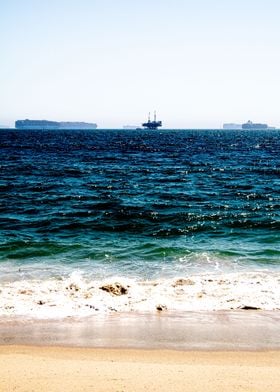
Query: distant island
(247, 125)
(46, 124)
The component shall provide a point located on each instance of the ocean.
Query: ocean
(103, 221)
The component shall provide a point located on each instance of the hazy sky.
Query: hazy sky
(199, 63)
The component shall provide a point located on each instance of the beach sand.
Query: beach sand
(56, 369)
(224, 351)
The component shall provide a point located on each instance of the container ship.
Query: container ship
(251, 125)
(46, 124)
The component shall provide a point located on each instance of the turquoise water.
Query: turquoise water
(140, 205)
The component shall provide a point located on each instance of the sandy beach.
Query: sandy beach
(121, 353)
(29, 368)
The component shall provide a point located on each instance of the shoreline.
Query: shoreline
(246, 330)
(193, 352)
(52, 369)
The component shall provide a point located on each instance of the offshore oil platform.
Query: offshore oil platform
(152, 124)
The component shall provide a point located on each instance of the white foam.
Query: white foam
(75, 295)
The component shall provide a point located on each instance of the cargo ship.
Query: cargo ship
(251, 125)
(48, 125)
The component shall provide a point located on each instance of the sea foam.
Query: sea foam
(77, 296)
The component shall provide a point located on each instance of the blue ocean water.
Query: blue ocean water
(142, 205)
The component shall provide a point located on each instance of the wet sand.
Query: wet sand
(56, 369)
(228, 331)
(227, 351)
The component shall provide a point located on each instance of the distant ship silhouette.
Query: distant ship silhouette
(152, 124)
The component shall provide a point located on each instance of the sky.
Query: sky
(199, 63)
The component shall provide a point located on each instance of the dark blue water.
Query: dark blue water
(140, 203)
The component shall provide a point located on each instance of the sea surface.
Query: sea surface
(103, 221)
